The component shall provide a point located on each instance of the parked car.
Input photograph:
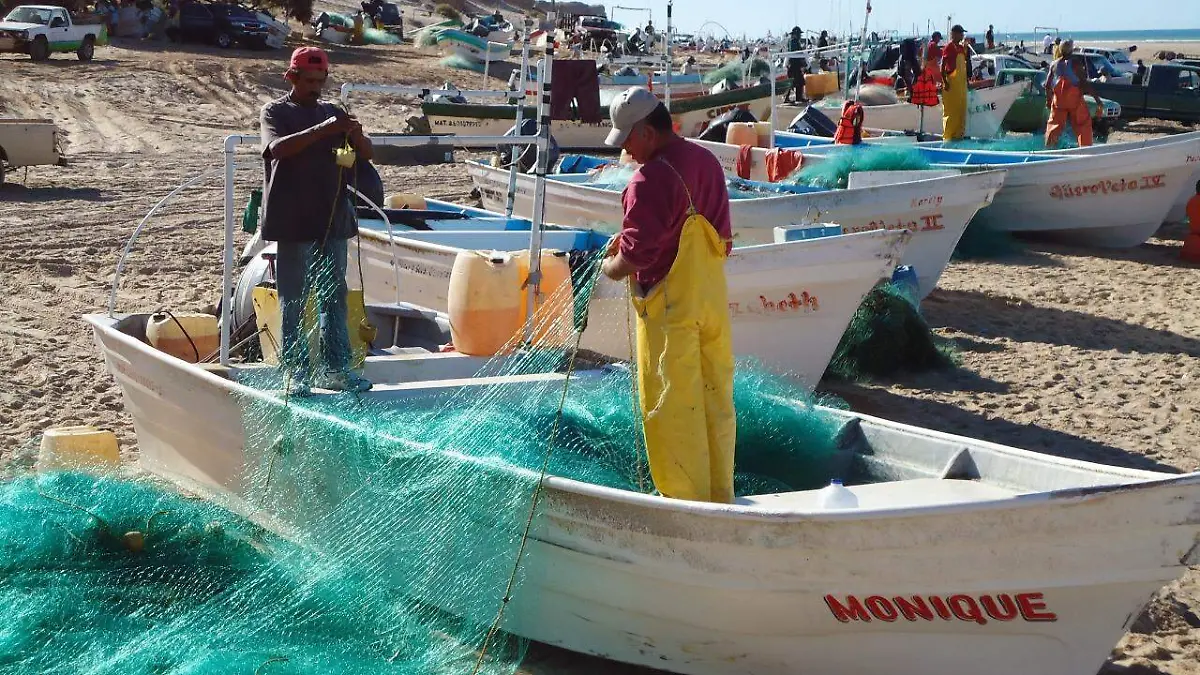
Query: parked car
(1170, 92)
(220, 24)
(1119, 58)
(1029, 113)
(1099, 67)
(41, 30)
(27, 143)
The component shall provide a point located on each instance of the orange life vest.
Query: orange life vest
(849, 131)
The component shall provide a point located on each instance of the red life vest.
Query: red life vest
(849, 131)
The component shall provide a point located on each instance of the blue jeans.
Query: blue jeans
(304, 268)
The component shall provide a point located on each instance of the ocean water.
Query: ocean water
(1115, 38)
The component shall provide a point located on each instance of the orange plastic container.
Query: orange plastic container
(171, 334)
(484, 302)
(554, 316)
(741, 133)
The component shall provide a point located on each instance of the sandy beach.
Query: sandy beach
(1083, 353)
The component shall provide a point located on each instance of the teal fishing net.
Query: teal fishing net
(887, 336)
(405, 514)
(834, 171)
(735, 71)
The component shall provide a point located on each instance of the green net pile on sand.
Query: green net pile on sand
(887, 336)
(393, 523)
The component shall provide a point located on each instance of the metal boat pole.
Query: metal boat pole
(533, 283)
(670, 63)
(231, 143)
(517, 150)
(862, 48)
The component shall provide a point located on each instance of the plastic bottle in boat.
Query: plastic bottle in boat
(555, 307)
(836, 496)
(484, 302)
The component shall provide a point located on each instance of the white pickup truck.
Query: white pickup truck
(40, 30)
(27, 143)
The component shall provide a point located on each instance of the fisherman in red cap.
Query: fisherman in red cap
(310, 213)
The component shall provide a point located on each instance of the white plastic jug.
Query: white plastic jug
(835, 496)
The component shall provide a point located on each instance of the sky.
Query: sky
(756, 17)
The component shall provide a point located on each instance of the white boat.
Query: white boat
(692, 115)
(936, 211)
(986, 109)
(1177, 214)
(776, 291)
(962, 556)
(1111, 200)
(472, 47)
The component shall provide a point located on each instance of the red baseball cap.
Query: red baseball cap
(309, 58)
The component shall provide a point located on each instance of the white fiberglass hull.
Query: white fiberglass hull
(776, 293)
(1033, 564)
(1177, 214)
(1110, 200)
(936, 211)
(986, 109)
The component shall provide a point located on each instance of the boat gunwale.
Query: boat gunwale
(997, 171)
(1135, 480)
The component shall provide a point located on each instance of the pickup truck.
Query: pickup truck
(1170, 92)
(27, 143)
(40, 30)
(1029, 113)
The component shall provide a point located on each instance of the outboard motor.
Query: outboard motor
(812, 122)
(716, 129)
(528, 159)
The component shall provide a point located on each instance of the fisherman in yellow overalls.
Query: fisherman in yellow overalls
(955, 67)
(674, 240)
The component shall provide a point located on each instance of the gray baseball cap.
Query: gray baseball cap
(628, 108)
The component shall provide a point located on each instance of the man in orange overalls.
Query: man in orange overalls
(1066, 84)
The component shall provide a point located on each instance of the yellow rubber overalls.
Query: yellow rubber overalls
(954, 101)
(685, 368)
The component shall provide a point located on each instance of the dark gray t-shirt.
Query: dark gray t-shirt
(299, 192)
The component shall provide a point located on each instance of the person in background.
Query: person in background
(823, 40)
(1066, 85)
(674, 240)
(689, 66)
(307, 210)
(795, 66)
(954, 86)
(990, 37)
(1140, 76)
(1047, 44)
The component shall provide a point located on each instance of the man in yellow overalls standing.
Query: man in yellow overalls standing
(674, 239)
(955, 66)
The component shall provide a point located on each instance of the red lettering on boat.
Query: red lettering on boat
(1005, 611)
(911, 609)
(974, 609)
(1033, 607)
(1105, 187)
(881, 608)
(846, 614)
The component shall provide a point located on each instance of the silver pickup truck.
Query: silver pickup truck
(41, 30)
(28, 143)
